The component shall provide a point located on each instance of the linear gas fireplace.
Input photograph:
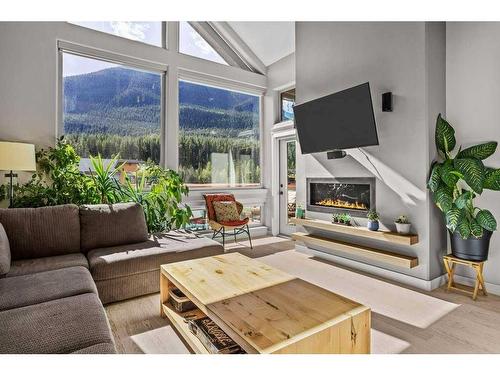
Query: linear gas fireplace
(354, 196)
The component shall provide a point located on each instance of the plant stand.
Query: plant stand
(450, 263)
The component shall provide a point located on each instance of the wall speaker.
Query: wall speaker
(387, 102)
(336, 154)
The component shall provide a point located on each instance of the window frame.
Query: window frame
(125, 61)
(200, 79)
(164, 34)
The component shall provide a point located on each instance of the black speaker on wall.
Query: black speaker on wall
(387, 102)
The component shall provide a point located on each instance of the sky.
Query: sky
(190, 43)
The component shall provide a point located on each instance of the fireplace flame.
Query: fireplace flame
(339, 203)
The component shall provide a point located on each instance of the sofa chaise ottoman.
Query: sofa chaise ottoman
(59, 264)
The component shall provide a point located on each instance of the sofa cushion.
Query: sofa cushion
(102, 348)
(174, 246)
(61, 326)
(45, 286)
(29, 266)
(105, 225)
(4, 252)
(42, 232)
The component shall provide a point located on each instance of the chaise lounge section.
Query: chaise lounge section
(60, 264)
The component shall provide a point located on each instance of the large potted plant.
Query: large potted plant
(456, 178)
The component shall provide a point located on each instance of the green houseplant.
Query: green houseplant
(456, 178)
(58, 180)
(373, 217)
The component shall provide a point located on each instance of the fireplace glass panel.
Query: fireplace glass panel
(340, 196)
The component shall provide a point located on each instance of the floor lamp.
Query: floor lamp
(16, 157)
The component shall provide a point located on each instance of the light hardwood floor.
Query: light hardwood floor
(473, 327)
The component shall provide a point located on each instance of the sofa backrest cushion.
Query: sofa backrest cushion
(42, 232)
(104, 225)
(4, 252)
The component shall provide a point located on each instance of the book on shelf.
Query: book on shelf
(213, 338)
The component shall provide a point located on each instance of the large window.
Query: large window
(191, 43)
(111, 109)
(146, 32)
(219, 140)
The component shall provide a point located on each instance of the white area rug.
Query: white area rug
(390, 300)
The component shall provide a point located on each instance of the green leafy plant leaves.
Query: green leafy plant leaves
(448, 173)
(463, 227)
(443, 198)
(455, 182)
(481, 151)
(463, 199)
(452, 218)
(444, 135)
(492, 179)
(472, 171)
(476, 229)
(486, 219)
(435, 177)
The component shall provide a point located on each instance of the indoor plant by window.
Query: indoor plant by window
(455, 180)
(372, 216)
(402, 224)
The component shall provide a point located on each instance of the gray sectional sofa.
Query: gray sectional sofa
(59, 265)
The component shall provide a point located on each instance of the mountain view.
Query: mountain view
(117, 110)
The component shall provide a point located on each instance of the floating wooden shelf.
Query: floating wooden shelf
(178, 321)
(401, 239)
(362, 251)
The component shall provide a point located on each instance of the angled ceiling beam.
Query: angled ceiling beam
(224, 40)
(219, 45)
(237, 44)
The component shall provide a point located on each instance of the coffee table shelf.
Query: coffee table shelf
(178, 321)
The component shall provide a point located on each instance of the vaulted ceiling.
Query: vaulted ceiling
(269, 41)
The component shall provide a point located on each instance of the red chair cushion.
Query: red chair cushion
(235, 223)
(210, 198)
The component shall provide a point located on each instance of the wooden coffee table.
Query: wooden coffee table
(264, 309)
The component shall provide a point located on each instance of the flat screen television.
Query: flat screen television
(337, 121)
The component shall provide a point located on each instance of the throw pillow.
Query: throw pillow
(4, 252)
(226, 211)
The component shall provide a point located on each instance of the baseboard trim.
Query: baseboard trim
(427, 285)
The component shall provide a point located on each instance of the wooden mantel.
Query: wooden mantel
(380, 235)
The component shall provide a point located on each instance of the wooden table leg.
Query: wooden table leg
(164, 289)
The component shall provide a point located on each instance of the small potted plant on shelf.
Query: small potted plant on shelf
(335, 218)
(402, 225)
(346, 219)
(372, 216)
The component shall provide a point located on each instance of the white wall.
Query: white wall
(331, 56)
(472, 105)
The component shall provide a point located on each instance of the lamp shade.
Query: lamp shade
(16, 156)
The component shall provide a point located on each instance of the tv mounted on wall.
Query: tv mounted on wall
(337, 121)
